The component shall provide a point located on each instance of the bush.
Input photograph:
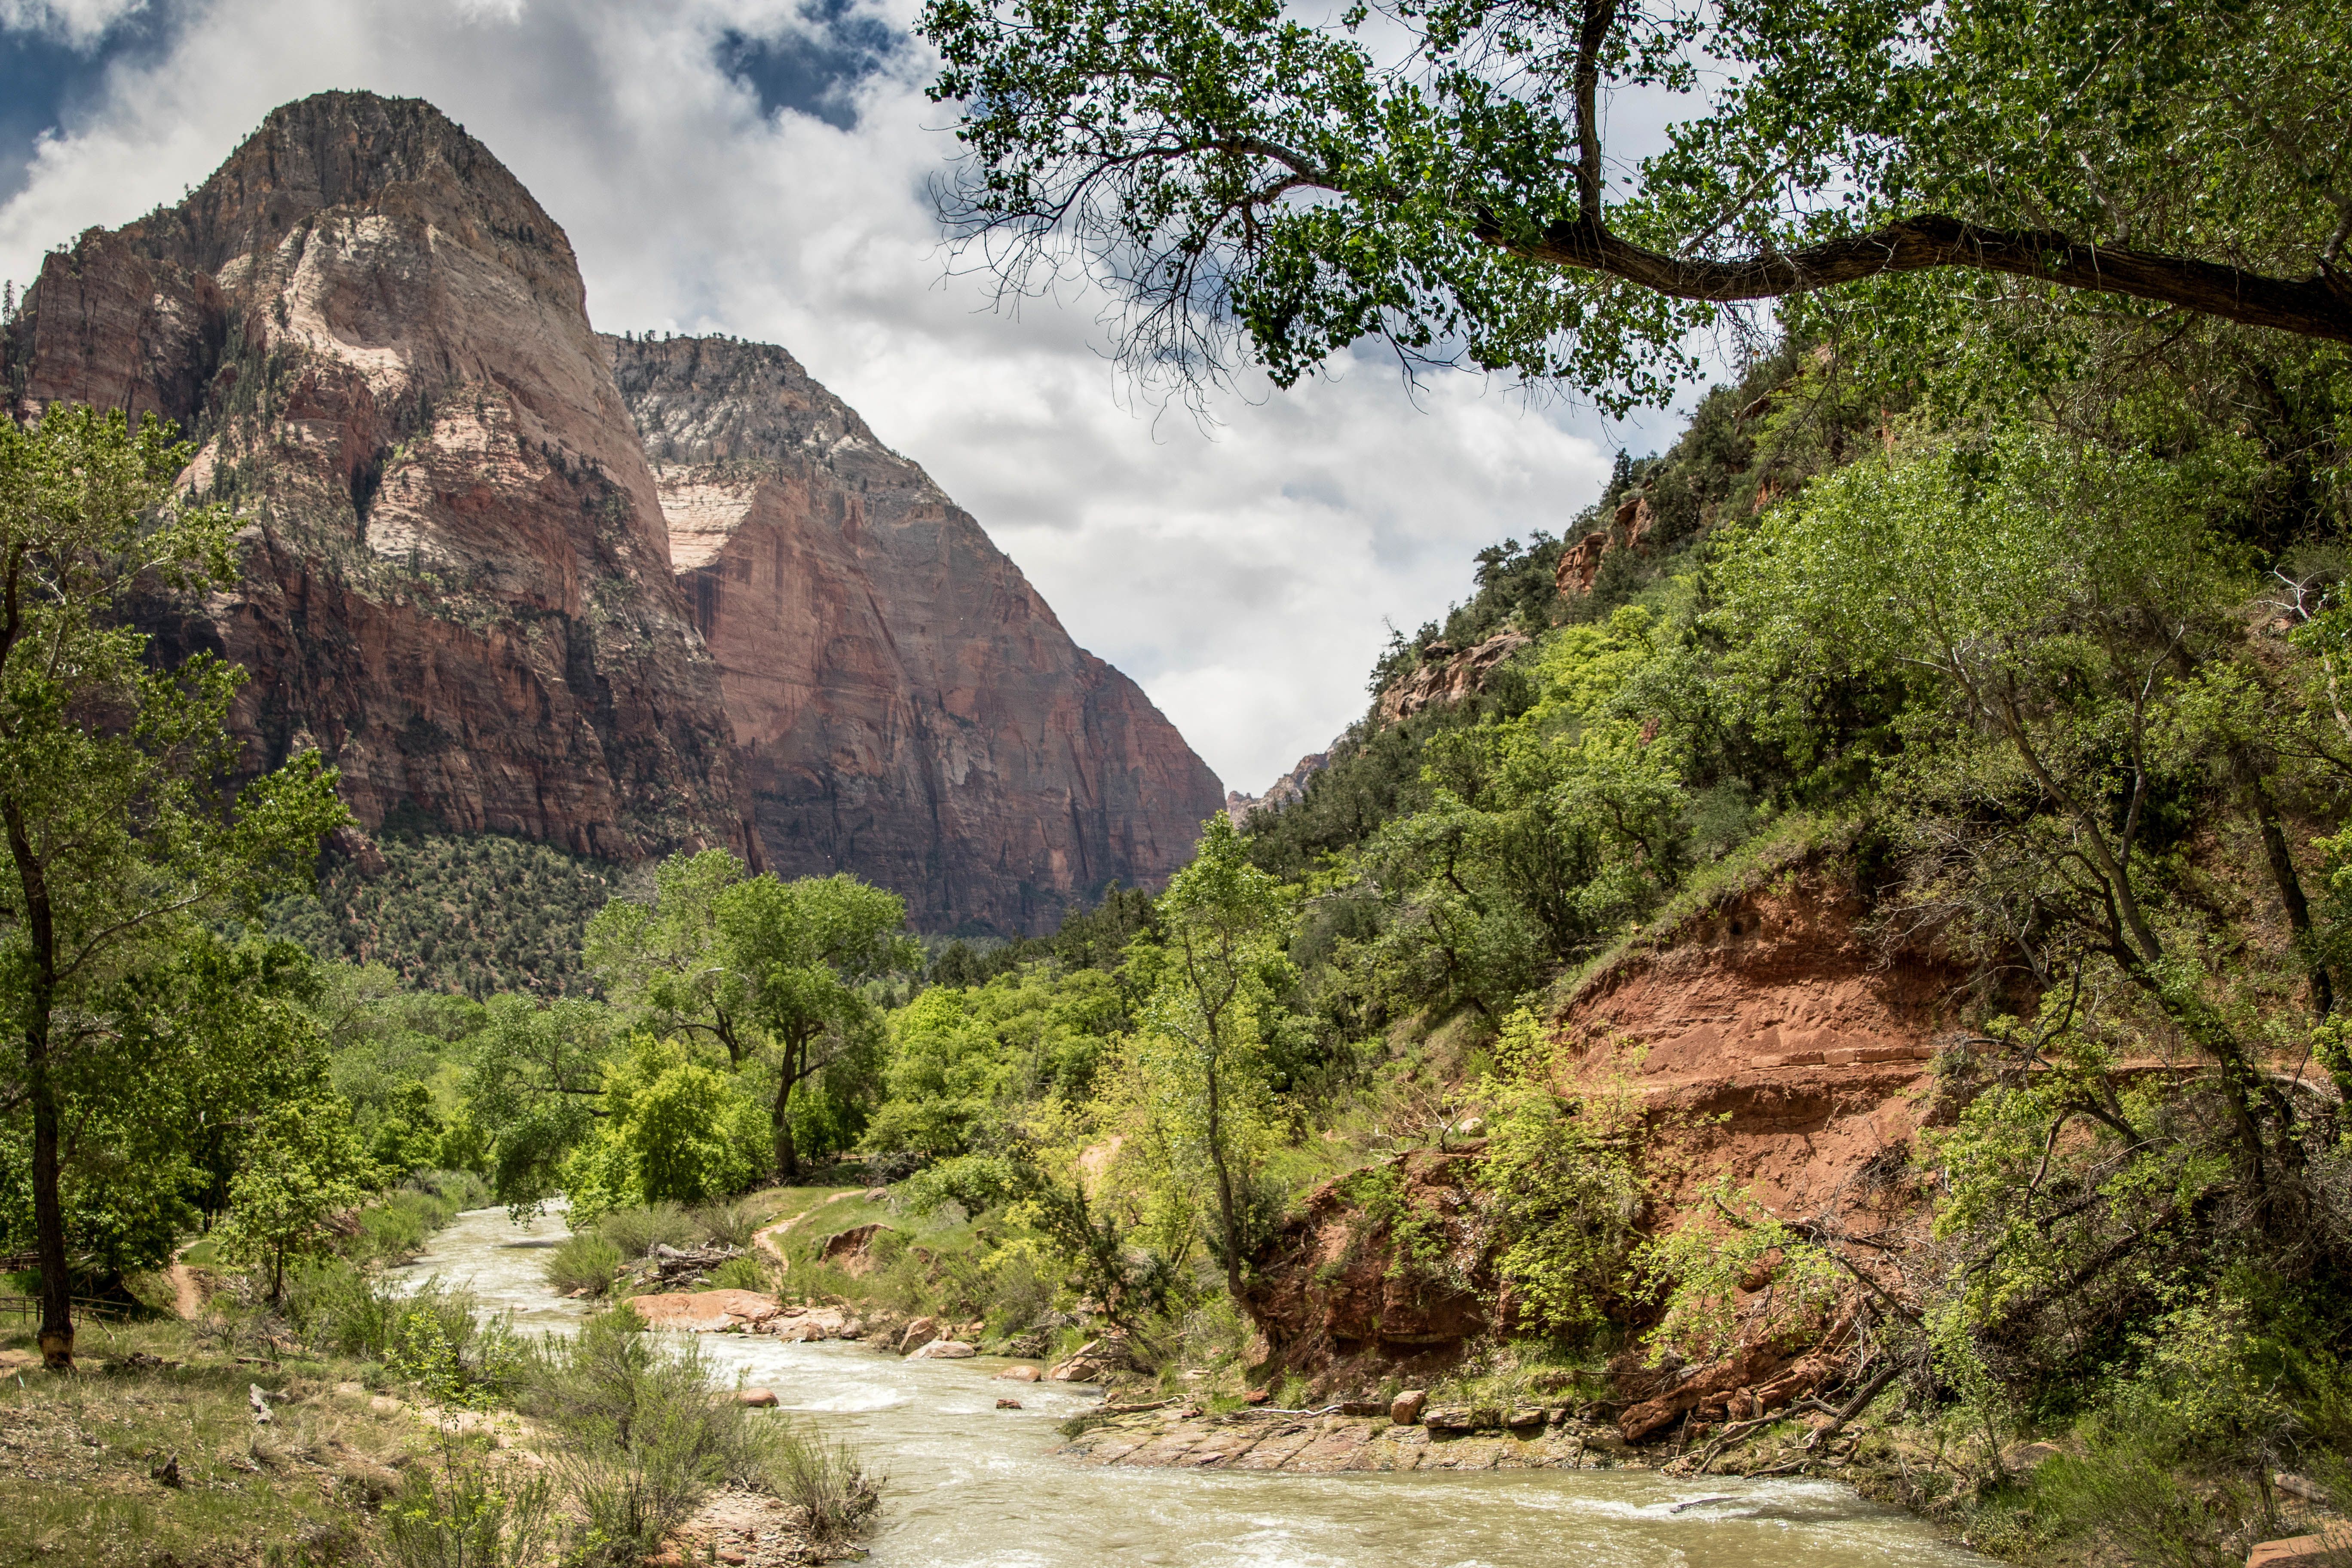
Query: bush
(825, 1481)
(342, 1310)
(640, 1441)
(637, 1231)
(745, 1273)
(585, 1262)
(729, 1224)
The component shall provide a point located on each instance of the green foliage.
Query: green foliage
(1561, 1175)
(584, 1263)
(1732, 1273)
(1271, 188)
(532, 1090)
(121, 840)
(761, 965)
(637, 1230)
(962, 1061)
(302, 1166)
(1192, 1091)
(674, 1129)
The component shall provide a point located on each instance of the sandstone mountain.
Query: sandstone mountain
(460, 577)
(904, 703)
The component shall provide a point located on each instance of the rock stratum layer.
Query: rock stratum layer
(459, 578)
(906, 704)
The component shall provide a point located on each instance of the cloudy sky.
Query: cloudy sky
(759, 167)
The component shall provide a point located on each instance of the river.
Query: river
(971, 1486)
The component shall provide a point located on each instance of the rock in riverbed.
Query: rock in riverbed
(744, 1312)
(1181, 1438)
(945, 1349)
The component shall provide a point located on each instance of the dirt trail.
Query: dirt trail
(188, 1296)
(760, 1239)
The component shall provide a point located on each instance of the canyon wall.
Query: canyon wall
(904, 703)
(470, 587)
(457, 580)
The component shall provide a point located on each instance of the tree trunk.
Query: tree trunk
(2285, 878)
(1225, 1190)
(57, 1335)
(780, 1120)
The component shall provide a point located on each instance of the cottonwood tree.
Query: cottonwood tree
(1440, 177)
(1196, 1068)
(662, 958)
(118, 835)
(761, 966)
(302, 1166)
(535, 1092)
(809, 949)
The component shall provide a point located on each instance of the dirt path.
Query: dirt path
(188, 1296)
(760, 1239)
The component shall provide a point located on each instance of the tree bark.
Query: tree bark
(1224, 1190)
(2312, 308)
(2284, 877)
(780, 1120)
(56, 1334)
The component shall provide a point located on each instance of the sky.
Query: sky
(761, 168)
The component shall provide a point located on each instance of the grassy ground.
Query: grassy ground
(90, 1459)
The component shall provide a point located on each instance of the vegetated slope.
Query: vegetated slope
(906, 705)
(471, 915)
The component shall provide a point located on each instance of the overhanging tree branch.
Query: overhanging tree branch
(2316, 306)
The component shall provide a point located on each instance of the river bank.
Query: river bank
(971, 1485)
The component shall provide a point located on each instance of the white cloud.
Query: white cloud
(76, 22)
(1241, 575)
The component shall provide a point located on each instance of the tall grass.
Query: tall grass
(638, 1440)
(729, 1224)
(584, 1262)
(638, 1231)
(826, 1481)
(342, 1311)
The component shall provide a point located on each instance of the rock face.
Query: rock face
(458, 579)
(459, 561)
(1290, 788)
(1778, 1048)
(1447, 675)
(906, 705)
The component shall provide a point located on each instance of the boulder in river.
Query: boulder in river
(1020, 1375)
(919, 1333)
(756, 1398)
(946, 1350)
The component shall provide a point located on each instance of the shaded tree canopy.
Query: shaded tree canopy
(1440, 176)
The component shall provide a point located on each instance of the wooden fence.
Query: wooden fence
(29, 1307)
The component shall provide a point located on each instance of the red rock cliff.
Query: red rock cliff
(906, 706)
(457, 571)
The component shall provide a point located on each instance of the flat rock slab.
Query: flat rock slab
(1322, 1444)
(2332, 1550)
(744, 1312)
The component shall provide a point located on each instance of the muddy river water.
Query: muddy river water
(971, 1486)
